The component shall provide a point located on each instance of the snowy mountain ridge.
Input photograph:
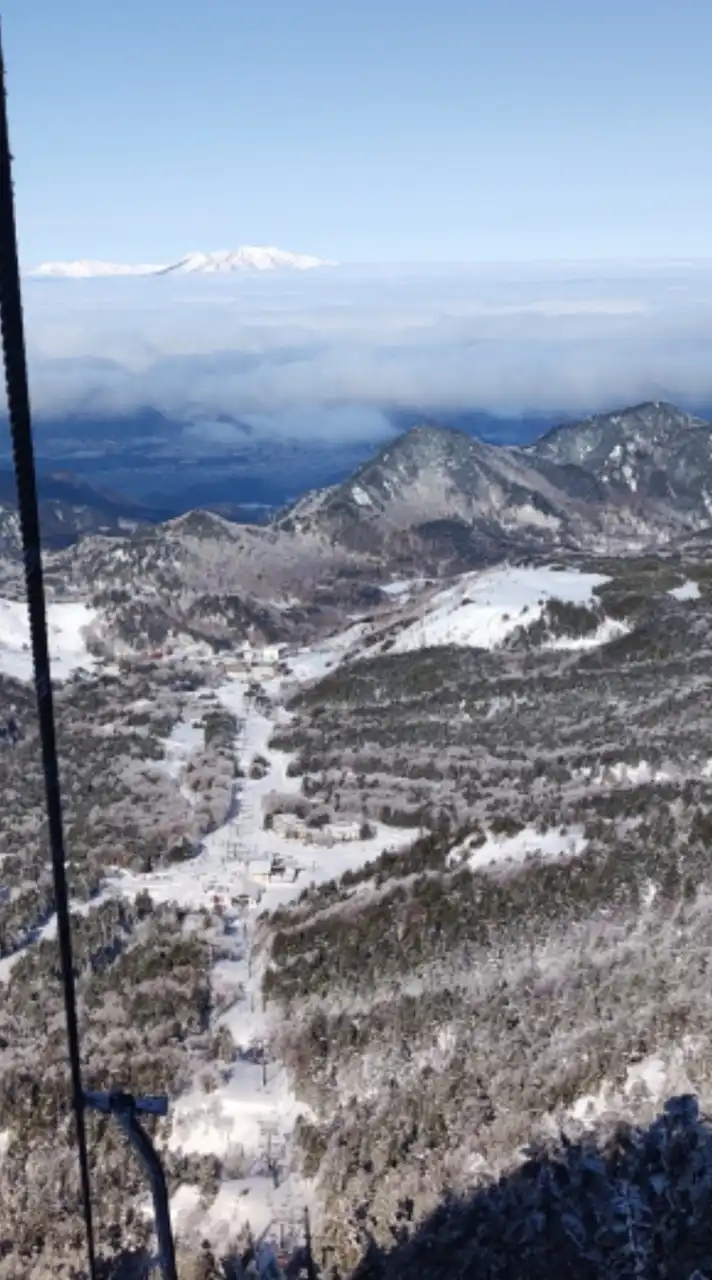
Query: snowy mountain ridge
(440, 497)
(652, 451)
(245, 259)
(433, 502)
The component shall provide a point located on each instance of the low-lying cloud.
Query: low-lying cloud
(329, 355)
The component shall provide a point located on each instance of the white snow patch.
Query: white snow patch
(482, 609)
(360, 497)
(237, 1118)
(240, 1202)
(402, 587)
(630, 477)
(619, 774)
(689, 590)
(66, 623)
(7, 963)
(656, 1078)
(314, 663)
(184, 738)
(564, 842)
(531, 515)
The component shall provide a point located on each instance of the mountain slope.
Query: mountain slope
(650, 452)
(248, 258)
(433, 502)
(457, 501)
(69, 509)
(510, 982)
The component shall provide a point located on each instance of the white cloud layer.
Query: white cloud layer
(331, 353)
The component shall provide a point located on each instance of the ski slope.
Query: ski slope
(500, 850)
(482, 609)
(478, 610)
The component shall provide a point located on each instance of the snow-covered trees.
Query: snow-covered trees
(438, 1015)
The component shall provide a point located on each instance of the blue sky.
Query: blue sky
(377, 130)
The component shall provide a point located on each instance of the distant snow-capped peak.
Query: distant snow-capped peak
(248, 258)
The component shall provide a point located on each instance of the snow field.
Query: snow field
(67, 623)
(512, 850)
(483, 609)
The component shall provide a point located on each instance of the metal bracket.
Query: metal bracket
(125, 1109)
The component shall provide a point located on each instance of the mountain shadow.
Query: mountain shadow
(636, 1204)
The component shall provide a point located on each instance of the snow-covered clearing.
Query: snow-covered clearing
(500, 849)
(618, 773)
(482, 609)
(66, 623)
(689, 590)
(186, 736)
(316, 662)
(478, 610)
(403, 588)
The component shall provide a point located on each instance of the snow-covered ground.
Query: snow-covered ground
(500, 849)
(403, 588)
(689, 590)
(186, 737)
(250, 1119)
(618, 773)
(66, 623)
(482, 609)
(312, 663)
(478, 610)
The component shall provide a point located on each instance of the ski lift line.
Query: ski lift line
(18, 401)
